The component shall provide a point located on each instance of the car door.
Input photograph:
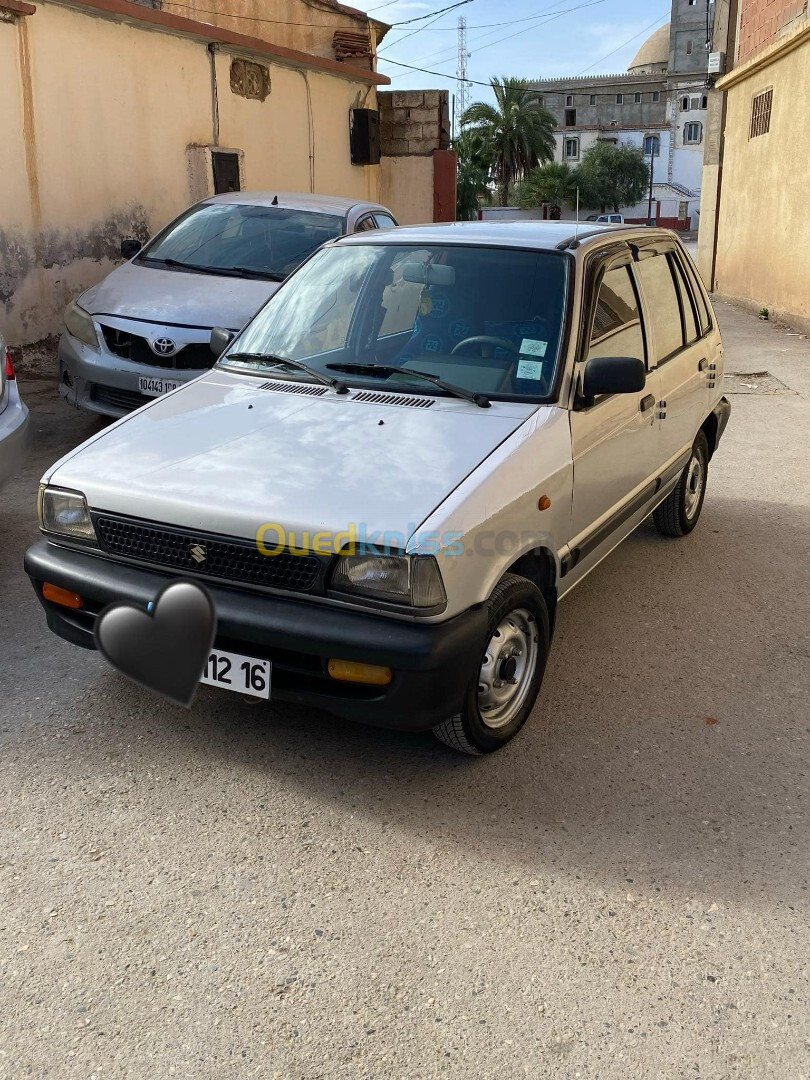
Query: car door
(677, 348)
(614, 438)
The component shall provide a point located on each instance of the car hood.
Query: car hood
(171, 297)
(223, 455)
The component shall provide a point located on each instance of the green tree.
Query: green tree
(553, 184)
(472, 179)
(610, 177)
(517, 130)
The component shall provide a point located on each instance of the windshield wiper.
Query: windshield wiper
(176, 264)
(383, 371)
(338, 386)
(249, 271)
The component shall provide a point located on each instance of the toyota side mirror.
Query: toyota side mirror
(220, 340)
(613, 375)
(130, 247)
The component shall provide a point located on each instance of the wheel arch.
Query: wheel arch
(709, 428)
(540, 567)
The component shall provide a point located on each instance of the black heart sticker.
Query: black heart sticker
(165, 651)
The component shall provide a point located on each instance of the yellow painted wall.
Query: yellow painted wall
(307, 25)
(407, 187)
(762, 216)
(115, 109)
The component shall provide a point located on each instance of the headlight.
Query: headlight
(80, 325)
(398, 579)
(64, 513)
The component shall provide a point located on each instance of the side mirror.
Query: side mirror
(220, 340)
(613, 375)
(130, 247)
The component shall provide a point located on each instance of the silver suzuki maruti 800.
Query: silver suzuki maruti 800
(395, 472)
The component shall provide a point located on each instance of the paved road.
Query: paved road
(246, 891)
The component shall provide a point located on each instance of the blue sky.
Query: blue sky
(567, 37)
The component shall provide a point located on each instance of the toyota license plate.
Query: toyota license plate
(155, 387)
(242, 674)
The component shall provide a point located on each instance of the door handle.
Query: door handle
(703, 365)
(647, 402)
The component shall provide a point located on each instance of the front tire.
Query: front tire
(678, 514)
(500, 697)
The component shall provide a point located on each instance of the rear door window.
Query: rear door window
(662, 305)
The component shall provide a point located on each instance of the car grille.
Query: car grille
(117, 399)
(194, 357)
(218, 556)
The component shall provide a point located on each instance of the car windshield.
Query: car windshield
(237, 237)
(487, 320)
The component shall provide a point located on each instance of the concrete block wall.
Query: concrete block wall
(763, 21)
(414, 122)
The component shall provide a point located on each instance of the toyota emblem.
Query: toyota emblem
(164, 346)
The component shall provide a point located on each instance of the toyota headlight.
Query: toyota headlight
(64, 513)
(80, 325)
(412, 580)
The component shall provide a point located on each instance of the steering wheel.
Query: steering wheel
(487, 342)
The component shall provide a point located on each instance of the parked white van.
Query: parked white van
(399, 467)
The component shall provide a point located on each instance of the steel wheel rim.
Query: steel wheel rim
(507, 669)
(694, 485)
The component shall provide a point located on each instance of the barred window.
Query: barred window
(761, 114)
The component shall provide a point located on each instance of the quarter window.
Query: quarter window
(617, 321)
(367, 224)
(690, 324)
(662, 306)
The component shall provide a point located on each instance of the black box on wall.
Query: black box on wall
(364, 136)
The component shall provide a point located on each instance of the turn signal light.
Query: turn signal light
(63, 597)
(370, 674)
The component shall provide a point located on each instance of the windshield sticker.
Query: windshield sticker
(529, 369)
(529, 347)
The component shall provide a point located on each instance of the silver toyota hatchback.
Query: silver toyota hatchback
(145, 328)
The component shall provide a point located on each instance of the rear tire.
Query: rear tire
(502, 693)
(678, 514)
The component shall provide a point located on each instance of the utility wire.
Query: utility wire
(619, 47)
(547, 17)
(543, 90)
(290, 22)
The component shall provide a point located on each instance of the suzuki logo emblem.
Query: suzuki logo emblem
(164, 346)
(198, 553)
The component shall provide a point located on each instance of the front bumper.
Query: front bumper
(100, 382)
(15, 435)
(432, 662)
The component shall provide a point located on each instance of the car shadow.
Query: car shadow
(664, 751)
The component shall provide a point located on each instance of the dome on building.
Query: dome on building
(653, 56)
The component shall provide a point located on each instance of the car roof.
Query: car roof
(543, 235)
(297, 200)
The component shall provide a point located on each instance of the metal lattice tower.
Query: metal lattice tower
(462, 85)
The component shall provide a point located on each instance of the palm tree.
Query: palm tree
(517, 130)
(472, 180)
(553, 184)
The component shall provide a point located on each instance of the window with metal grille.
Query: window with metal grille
(761, 114)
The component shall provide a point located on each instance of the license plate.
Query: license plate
(155, 387)
(242, 674)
